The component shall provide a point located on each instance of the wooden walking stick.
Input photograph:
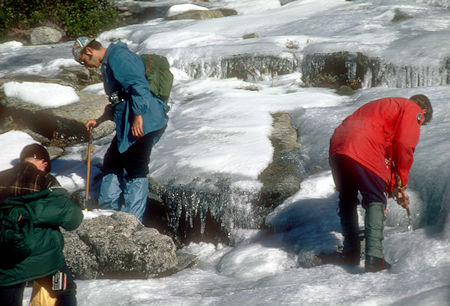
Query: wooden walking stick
(89, 149)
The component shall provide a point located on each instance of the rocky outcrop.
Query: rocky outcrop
(203, 14)
(336, 69)
(251, 68)
(355, 70)
(131, 12)
(205, 209)
(63, 123)
(281, 178)
(247, 67)
(119, 246)
(200, 210)
(79, 77)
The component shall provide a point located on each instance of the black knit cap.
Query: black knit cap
(36, 151)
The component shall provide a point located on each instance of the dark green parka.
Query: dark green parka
(48, 209)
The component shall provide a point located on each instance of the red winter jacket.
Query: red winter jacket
(379, 135)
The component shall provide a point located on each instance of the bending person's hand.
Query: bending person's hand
(402, 197)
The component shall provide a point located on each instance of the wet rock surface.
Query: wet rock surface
(281, 178)
(205, 209)
(119, 246)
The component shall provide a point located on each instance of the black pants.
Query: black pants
(133, 162)
(13, 295)
(350, 177)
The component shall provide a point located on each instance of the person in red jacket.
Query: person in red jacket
(372, 152)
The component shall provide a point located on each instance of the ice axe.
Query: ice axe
(88, 175)
(408, 212)
(410, 228)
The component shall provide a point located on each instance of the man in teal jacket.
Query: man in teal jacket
(43, 206)
(140, 119)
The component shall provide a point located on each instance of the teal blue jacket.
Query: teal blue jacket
(50, 209)
(124, 71)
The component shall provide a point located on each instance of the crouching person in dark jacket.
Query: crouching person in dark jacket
(32, 208)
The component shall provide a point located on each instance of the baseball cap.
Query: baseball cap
(78, 46)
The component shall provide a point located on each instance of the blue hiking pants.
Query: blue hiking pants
(125, 176)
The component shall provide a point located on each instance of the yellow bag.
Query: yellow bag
(41, 296)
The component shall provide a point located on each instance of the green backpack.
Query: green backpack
(15, 234)
(158, 75)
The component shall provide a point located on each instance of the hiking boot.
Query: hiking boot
(351, 258)
(375, 264)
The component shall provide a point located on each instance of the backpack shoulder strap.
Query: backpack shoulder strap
(149, 63)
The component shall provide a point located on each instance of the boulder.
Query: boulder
(45, 35)
(119, 246)
(400, 16)
(250, 35)
(78, 257)
(203, 14)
